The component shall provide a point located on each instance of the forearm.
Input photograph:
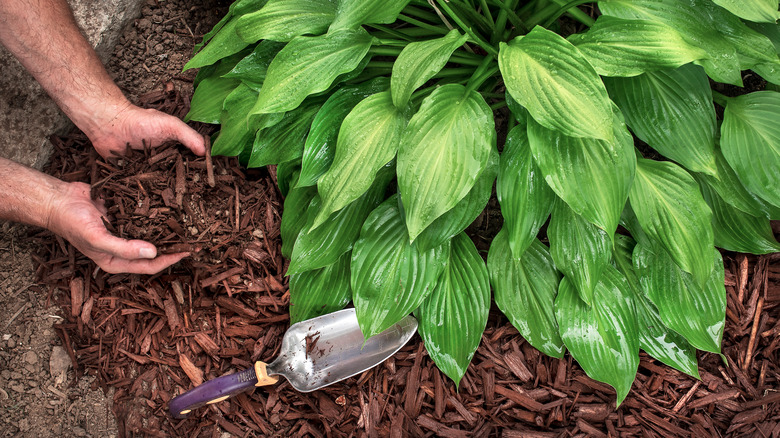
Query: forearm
(44, 36)
(27, 195)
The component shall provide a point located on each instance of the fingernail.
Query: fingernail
(147, 253)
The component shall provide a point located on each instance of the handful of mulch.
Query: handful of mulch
(181, 203)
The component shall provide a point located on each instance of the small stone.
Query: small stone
(144, 24)
(30, 357)
(18, 387)
(59, 364)
(258, 233)
(78, 431)
(11, 343)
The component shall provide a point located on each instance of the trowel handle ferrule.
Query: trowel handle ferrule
(261, 371)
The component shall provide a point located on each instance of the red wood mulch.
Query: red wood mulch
(153, 337)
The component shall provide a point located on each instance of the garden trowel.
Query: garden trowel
(314, 354)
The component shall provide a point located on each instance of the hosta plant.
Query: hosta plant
(382, 119)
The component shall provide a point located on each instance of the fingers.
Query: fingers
(148, 267)
(114, 246)
(187, 136)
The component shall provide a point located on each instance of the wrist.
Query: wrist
(29, 196)
(98, 118)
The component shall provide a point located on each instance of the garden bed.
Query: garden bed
(150, 338)
(217, 312)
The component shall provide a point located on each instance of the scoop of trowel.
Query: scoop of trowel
(314, 354)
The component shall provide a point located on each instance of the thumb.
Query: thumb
(122, 248)
(187, 136)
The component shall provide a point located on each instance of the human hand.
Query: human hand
(138, 127)
(75, 216)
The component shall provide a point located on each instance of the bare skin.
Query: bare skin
(45, 38)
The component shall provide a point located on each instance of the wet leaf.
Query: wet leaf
(525, 289)
(602, 338)
(444, 149)
(455, 314)
(554, 81)
(390, 276)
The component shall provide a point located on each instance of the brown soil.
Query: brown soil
(36, 400)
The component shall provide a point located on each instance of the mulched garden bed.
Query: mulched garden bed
(152, 337)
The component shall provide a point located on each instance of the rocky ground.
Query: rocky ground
(40, 395)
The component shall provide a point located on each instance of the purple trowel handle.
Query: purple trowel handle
(212, 391)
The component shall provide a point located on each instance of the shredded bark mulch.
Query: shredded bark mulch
(153, 337)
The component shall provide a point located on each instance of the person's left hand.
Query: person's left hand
(75, 216)
(138, 127)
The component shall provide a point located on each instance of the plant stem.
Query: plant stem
(486, 13)
(498, 105)
(391, 32)
(422, 14)
(483, 72)
(466, 72)
(576, 13)
(391, 42)
(506, 12)
(380, 64)
(462, 59)
(427, 26)
(476, 38)
(720, 99)
(385, 51)
(570, 7)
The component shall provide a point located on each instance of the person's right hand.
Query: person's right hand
(75, 216)
(139, 127)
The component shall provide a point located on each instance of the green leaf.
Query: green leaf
(698, 313)
(445, 147)
(308, 65)
(283, 20)
(738, 231)
(769, 30)
(320, 145)
(319, 292)
(618, 47)
(525, 289)
(236, 133)
(455, 314)
(209, 98)
(672, 212)
(580, 249)
(730, 189)
(319, 247)
(367, 141)
(750, 140)
(602, 338)
(294, 215)
(526, 200)
(225, 43)
(592, 176)
(390, 276)
(353, 13)
(672, 111)
(753, 10)
(252, 69)
(731, 45)
(464, 213)
(284, 140)
(286, 175)
(555, 82)
(658, 340)
(419, 62)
